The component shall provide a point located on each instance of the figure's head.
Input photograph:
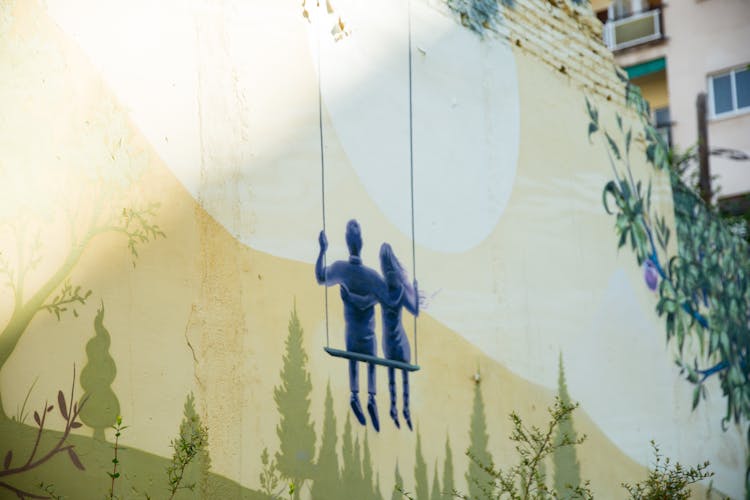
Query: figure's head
(391, 268)
(353, 237)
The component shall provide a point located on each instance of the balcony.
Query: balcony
(633, 30)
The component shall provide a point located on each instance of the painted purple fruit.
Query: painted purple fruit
(650, 275)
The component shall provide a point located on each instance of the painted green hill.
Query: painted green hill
(142, 472)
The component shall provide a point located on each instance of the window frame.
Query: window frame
(736, 110)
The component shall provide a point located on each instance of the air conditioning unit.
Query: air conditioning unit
(633, 30)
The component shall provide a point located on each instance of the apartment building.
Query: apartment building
(675, 50)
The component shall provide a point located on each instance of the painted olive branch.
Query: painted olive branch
(69, 410)
(633, 220)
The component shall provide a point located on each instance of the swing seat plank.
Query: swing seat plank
(338, 353)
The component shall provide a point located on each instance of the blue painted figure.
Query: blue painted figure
(360, 280)
(401, 293)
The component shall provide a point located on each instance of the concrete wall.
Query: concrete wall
(167, 157)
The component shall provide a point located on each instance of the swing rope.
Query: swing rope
(411, 177)
(322, 174)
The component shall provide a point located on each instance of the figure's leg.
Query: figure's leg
(407, 413)
(354, 387)
(392, 391)
(372, 406)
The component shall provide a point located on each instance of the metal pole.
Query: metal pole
(704, 169)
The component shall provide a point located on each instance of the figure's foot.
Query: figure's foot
(357, 409)
(394, 416)
(407, 417)
(372, 409)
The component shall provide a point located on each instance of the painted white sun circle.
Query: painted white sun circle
(465, 108)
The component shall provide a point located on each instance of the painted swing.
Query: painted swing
(409, 294)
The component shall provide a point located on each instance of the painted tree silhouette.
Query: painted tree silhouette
(564, 458)
(477, 478)
(398, 485)
(359, 483)
(97, 376)
(376, 492)
(421, 483)
(349, 472)
(368, 483)
(449, 484)
(435, 494)
(327, 478)
(295, 429)
(93, 200)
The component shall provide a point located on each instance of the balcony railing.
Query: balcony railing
(633, 30)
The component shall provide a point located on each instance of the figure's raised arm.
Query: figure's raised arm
(320, 269)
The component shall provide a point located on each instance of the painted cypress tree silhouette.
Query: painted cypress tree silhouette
(436, 494)
(421, 483)
(348, 473)
(359, 483)
(565, 459)
(478, 479)
(295, 430)
(102, 407)
(377, 493)
(198, 471)
(448, 483)
(368, 485)
(327, 478)
(397, 486)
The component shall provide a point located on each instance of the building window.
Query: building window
(730, 92)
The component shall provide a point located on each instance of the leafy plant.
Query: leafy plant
(533, 445)
(270, 478)
(667, 480)
(188, 445)
(69, 410)
(118, 428)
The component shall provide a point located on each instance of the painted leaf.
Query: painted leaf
(696, 396)
(8, 458)
(613, 146)
(628, 139)
(74, 458)
(592, 129)
(37, 419)
(75, 425)
(62, 404)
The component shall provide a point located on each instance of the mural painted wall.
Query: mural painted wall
(168, 168)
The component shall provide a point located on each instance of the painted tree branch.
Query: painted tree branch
(637, 218)
(704, 292)
(69, 411)
(134, 223)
